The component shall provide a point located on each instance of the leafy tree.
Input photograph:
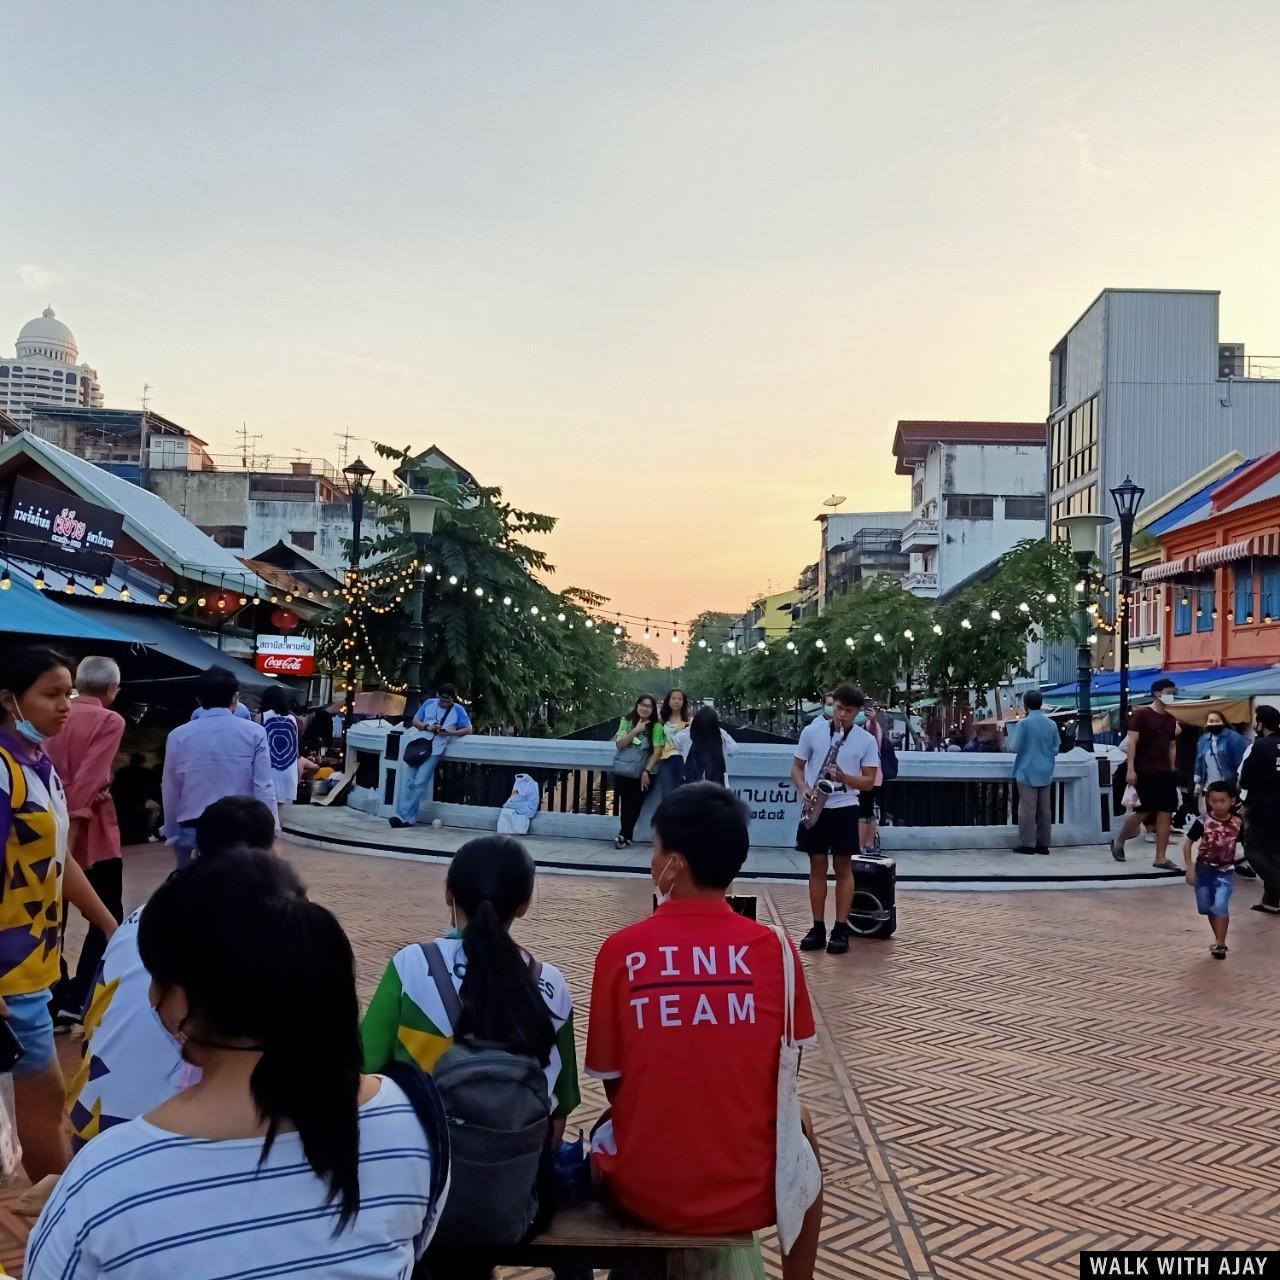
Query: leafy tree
(540, 660)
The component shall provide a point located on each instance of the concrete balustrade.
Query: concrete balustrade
(948, 800)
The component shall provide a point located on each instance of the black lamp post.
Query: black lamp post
(1128, 498)
(1083, 531)
(358, 477)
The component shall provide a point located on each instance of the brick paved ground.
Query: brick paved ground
(1013, 1078)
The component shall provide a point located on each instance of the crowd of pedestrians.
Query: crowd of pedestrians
(224, 1049)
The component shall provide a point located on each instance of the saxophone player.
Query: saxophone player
(835, 759)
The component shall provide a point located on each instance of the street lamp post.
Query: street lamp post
(358, 477)
(421, 510)
(1128, 498)
(1083, 531)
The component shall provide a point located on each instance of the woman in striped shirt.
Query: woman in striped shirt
(283, 1159)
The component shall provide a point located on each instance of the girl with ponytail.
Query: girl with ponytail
(506, 999)
(283, 1158)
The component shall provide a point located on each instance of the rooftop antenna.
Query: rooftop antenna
(147, 389)
(344, 448)
(246, 444)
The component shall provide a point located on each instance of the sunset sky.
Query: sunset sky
(670, 271)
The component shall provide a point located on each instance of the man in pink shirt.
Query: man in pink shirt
(83, 754)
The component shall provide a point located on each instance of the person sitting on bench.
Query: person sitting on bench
(687, 1012)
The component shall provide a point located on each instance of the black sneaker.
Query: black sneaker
(1245, 870)
(399, 822)
(1043, 850)
(839, 943)
(815, 939)
(1023, 848)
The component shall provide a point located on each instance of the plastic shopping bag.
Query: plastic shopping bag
(1130, 799)
(10, 1149)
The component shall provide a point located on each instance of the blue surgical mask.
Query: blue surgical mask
(860, 718)
(25, 729)
(828, 712)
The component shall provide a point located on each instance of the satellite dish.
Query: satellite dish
(834, 501)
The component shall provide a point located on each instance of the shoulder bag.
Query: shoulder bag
(798, 1178)
(629, 762)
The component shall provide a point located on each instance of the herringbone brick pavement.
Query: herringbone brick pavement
(1013, 1078)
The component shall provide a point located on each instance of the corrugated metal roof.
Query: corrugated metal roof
(1267, 489)
(1193, 508)
(148, 519)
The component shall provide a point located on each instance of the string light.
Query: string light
(70, 588)
(98, 586)
(5, 581)
(124, 593)
(40, 580)
(163, 597)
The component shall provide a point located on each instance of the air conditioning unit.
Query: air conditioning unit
(1231, 360)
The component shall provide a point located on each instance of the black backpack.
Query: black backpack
(499, 1119)
(888, 758)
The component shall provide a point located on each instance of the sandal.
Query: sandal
(1166, 865)
(1218, 951)
(619, 842)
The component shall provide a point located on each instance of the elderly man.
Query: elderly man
(215, 756)
(83, 754)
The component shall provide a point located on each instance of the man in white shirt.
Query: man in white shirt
(838, 759)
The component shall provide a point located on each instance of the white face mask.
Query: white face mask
(665, 896)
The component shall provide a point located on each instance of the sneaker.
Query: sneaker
(399, 822)
(64, 1020)
(1023, 848)
(839, 943)
(1244, 870)
(815, 939)
(1043, 850)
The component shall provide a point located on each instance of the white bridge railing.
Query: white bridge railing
(940, 800)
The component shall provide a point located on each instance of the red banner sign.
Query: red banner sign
(286, 664)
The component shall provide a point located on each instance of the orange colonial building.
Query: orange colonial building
(1221, 570)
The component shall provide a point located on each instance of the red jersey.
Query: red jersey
(686, 1012)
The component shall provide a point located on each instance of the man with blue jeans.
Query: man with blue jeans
(218, 755)
(444, 719)
(1034, 740)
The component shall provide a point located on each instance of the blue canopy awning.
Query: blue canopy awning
(26, 611)
(1107, 683)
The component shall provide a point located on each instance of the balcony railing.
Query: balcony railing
(1256, 367)
(920, 581)
(920, 532)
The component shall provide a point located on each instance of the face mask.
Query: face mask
(1216, 728)
(25, 729)
(860, 718)
(828, 712)
(665, 897)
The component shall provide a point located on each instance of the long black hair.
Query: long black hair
(490, 879)
(278, 700)
(22, 667)
(633, 717)
(664, 712)
(260, 963)
(706, 749)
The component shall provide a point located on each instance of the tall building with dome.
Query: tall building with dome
(44, 371)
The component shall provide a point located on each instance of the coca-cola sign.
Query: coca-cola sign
(286, 655)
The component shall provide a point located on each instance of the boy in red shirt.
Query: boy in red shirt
(686, 1020)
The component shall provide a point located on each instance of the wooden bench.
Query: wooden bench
(592, 1235)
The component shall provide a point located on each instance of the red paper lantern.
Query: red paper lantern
(285, 619)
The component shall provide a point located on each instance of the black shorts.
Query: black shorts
(1157, 793)
(867, 802)
(835, 833)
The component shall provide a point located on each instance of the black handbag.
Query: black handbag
(417, 752)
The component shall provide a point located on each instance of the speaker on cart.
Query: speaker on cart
(875, 909)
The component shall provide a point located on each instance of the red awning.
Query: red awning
(1261, 544)
(1168, 569)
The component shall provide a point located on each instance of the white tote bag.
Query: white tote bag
(798, 1179)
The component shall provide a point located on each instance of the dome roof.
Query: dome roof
(47, 332)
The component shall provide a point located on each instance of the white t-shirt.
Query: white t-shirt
(130, 1064)
(143, 1203)
(857, 752)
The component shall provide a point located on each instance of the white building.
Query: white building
(977, 489)
(44, 371)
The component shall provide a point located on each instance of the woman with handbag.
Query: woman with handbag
(637, 745)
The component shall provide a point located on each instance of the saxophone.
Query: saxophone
(824, 787)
